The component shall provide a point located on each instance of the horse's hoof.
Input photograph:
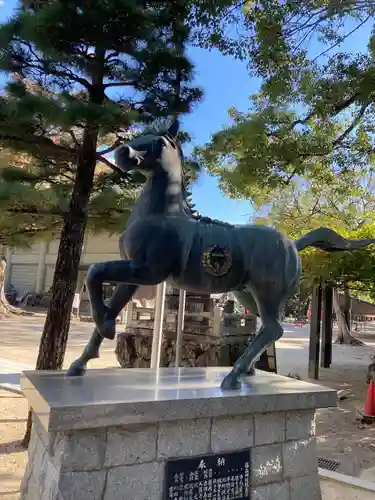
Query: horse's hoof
(231, 383)
(76, 369)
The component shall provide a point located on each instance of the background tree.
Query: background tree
(314, 113)
(75, 56)
(346, 203)
(33, 203)
(297, 305)
(34, 199)
(316, 102)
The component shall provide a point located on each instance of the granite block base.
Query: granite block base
(122, 455)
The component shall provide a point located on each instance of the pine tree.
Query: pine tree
(34, 199)
(66, 57)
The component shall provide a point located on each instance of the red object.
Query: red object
(309, 314)
(369, 410)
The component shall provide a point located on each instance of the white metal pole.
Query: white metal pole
(157, 338)
(180, 326)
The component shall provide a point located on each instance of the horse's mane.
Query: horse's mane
(161, 127)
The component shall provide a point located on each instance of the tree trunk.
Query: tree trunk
(347, 307)
(3, 309)
(55, 333)
(344, 336)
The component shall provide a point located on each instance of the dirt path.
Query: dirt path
(20, 341)
(13, 409)
(340, 434)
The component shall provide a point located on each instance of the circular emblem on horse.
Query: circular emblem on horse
(217, 261)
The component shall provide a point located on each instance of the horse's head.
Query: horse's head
(155, 151)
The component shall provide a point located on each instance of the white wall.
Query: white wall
(23, 277)
(24, 262)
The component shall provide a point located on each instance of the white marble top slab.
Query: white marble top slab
(119, 396)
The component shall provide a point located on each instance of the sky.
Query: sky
(226, 83)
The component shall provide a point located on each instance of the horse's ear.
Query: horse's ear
(174, 128)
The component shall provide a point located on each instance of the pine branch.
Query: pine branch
(6, 236)
(119, 84)
(43, 145)
(45, 67)
(35, 212)
(62, 213)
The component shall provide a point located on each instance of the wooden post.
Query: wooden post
(126, 315)
(327, 330)
(314, 347)
(123, 314)
(180, 326)
(129, 314)
(267, 360)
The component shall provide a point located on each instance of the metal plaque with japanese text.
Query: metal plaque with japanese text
(225, 476)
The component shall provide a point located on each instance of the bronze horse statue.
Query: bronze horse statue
(165, 240)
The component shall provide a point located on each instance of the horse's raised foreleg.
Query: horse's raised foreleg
(120, 297)
(118, 271)
(270, 331)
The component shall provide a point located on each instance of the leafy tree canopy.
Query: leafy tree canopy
(346, 204)
(314, 112)
(34, 199)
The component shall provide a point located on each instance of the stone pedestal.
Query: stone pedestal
(111, 434)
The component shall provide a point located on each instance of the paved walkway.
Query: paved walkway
(19, 344)
(20, 338)
(10, 374)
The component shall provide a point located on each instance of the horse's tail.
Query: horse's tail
(330, 241)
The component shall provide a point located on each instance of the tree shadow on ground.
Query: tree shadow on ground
(12, 420)
(11, 447)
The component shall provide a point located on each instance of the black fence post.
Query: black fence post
(314, 347)
(327, 330)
